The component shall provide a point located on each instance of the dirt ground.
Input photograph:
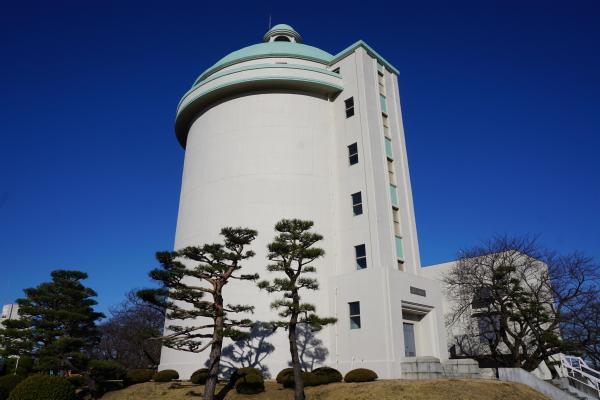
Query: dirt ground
(453, 389)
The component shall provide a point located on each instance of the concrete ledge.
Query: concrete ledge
(519, 375)
(462, 368)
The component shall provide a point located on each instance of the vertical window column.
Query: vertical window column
(391, 168)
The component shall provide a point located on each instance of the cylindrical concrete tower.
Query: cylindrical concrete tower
(276, 130)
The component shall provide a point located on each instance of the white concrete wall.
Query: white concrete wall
(259, 157)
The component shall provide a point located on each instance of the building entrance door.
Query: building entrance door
(410, 350)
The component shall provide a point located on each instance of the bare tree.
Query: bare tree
(510, 297)
(129, 335)
(186, 277)
(582, 327)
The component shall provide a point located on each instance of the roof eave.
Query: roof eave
(350, 49)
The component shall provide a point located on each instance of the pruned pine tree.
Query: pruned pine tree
(292, 253)
(192, 281)
(57, 324)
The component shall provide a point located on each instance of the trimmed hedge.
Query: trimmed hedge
(166, 375)
(327, 375)
(360, 375)
(135, 376)
(43, 387)
(7, 384)
(283, 375)
(286, 378)
(199, 376)
(249, 381)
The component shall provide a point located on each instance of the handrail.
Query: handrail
(577, 369)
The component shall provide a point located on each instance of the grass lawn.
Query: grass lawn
(396, 389)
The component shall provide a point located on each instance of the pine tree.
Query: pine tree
(186, 277)
(292, 252)
(57, 324)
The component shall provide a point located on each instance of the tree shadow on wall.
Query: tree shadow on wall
(310, 348)
(250, 352)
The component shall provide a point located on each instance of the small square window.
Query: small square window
(354, 308)
(353, 153)
(361, 256)
(357, 203)
(349, 103)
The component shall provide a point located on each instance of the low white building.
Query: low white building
(467, 333)
(281, 129)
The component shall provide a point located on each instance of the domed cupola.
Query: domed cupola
(282, 33)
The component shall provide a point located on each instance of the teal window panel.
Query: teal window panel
(383, 103)
(380, 68)
(394, 195)
(399, 250)
(388, 148)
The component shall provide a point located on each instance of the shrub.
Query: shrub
(327, 375)
(199, 376)
(249, 381)
(139, 376)
(7, 384)
(102, 372)
(286, 378)
(43, 387)
(360, 375)
(166, 375)
(283, 374)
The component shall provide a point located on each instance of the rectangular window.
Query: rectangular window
(489, 327)
(386, 127)
(394, 195)
(354, 308)
(388, 148)
(396, 218)
(349, 103)
(353, 153)
(391, 173)
(383, 104)
(361, 256)
(357, 203)
(381, 83)
(399, 249)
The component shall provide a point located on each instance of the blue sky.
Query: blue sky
(501, 103)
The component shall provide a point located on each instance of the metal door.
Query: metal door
(410, 349)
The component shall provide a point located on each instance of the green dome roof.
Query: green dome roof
(269, 49)
(282, 26)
